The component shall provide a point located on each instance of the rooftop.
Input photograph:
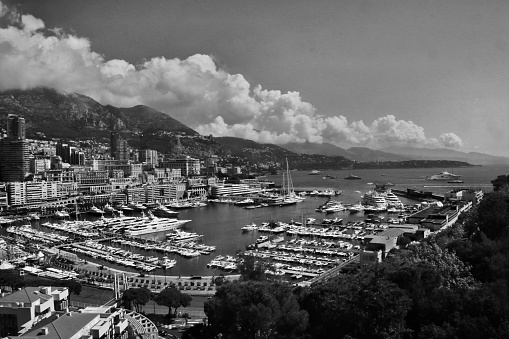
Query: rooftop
(26, 295)
(64, 327)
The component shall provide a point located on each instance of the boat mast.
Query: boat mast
(289, 179)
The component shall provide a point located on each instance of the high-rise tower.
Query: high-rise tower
(118, 147)
(15, 127)
(14, 154)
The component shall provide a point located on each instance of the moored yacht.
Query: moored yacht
(137, 206)
(374, 199)
(61, 214)
(164, 212)
(391, 199)
(95, 210)
(109, 209)
(156, 225)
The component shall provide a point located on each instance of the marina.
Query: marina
(299, 236)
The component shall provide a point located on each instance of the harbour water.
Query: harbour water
(220, 224)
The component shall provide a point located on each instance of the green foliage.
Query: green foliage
(256, 310)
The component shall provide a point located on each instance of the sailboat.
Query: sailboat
(289, 197)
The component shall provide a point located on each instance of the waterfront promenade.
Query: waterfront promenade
(103, 277)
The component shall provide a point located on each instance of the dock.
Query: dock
(418, 195)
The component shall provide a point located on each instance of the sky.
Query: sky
(370, 73)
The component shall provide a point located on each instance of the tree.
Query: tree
(500, 183)
(138, 297)
(491, 216)
(11, 278)
(172, 298)
(364, 305)
(250, 269)
(73, 286)
(254, 309)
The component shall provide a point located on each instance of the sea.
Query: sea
(220, 224)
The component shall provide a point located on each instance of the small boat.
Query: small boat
(314, 172)
(137, 206)
(61, 214)
(250, 227)
(95, 210)
(109, 209)
(164, 212)
(125, 208)
(244, 202)
(352, 177)
(34, 216)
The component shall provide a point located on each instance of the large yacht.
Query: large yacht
(444, 176)
(155, 225)
(391, 199)
(374, 199)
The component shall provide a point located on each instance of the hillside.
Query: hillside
(322, 149)
(447, 154)
(353, 153)
(52, 114)
(63, 115)
(367, 155)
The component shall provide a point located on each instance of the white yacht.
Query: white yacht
(250, 227)
(137, 206)
(374, 199)
(356, 208)
(391, 199)
(165, 212)
(156, 225)
(182, 236)
(61, 214)
(95, 210)
(444, 176)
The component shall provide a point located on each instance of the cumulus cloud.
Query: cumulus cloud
(451, 140)
(195, 91)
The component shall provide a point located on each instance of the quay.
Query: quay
(418, 195)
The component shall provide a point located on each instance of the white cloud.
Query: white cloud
(194, 91)
(31, 23)
(451, 140)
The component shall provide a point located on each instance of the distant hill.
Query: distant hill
(314, 148)
(354, 153)
(70, 115)
(53, 114)
(368, 155)
(447, 154)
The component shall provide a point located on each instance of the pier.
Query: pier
(418, 195)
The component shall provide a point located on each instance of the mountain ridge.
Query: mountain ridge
(55, 114)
